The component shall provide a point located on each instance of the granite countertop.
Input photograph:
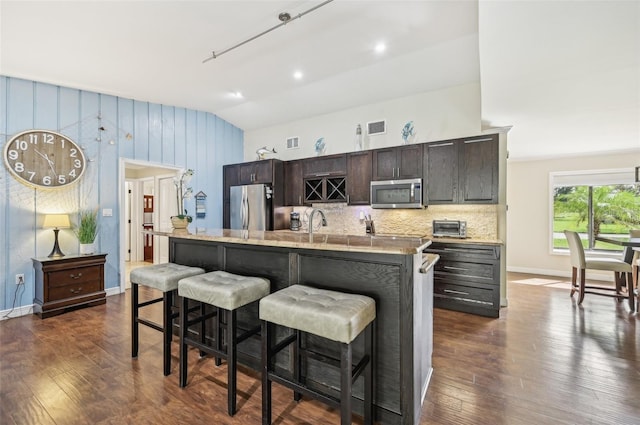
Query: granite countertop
(382, 244)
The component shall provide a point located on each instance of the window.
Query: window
(596, 202)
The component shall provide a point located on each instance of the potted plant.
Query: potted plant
(182, 220)
(87, 230)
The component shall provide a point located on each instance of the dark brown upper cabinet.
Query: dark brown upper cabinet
(359, 178)
(293, 183)
(396, 163)
(462, 171)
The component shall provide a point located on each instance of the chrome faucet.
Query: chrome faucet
(313, 211)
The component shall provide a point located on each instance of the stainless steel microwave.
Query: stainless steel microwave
(396, 193)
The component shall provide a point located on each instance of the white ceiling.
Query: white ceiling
(558, 71)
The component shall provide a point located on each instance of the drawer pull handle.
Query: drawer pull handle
(450, 291)
(75, 291)
(455, 268)
(75, 276)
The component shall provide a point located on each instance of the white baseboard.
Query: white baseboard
(605, 276)
(16, 312)
(28, 309)
(113, 291)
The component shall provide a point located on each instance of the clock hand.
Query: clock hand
(46, 157)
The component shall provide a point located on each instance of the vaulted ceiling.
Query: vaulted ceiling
(565, 74)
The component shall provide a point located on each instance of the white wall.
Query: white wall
(528, 216)
(436, 115)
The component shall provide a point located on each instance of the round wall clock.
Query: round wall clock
(44, 159)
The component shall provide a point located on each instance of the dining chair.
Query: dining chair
(580, 263)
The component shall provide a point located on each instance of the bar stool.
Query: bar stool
(227, 292)
(163, 277)
(328, 314)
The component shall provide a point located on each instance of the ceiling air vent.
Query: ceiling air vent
(293, 142)
(376, 127)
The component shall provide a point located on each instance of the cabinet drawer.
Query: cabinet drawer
(73, 276)
(74, 290)
(483, 272)
(475, 295)
(459, 251)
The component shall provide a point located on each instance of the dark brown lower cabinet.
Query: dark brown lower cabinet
(467, 277)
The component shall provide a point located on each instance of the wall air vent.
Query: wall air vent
(293, 142)
(376, 127)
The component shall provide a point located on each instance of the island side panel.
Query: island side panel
(378, 277)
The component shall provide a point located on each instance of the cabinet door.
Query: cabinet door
(359, 178)
(230, 177)
(245, 173)
(409, 162)
(441, 160)
(479, 170)
(325, 166)
(293, 189)
(384, 164)
(263, 171)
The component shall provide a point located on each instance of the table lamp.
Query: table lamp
(57, 221)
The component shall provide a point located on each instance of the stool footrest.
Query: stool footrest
(189, 340)
(303, 389)
(150, 324)
(199, 319)
(282, 344)
(153, 301)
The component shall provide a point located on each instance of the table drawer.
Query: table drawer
(74, 290)
(75, 276)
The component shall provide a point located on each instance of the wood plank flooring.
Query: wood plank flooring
(544, 361)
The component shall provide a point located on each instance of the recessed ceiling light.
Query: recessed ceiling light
(238, 95)
(380, 47)
(298, 75)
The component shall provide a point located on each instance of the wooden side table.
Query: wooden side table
(67, 283)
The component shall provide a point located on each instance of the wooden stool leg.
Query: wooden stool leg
(346, 371)
(203, 338)
(368, 376)
(232, 368)
(134, 319)
(184, 312)
(167, 324)
(266, 367)
(297, 362)
(217, 334)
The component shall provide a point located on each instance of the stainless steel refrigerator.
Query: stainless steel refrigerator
(250, 207)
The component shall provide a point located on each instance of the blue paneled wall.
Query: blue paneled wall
(164, 135)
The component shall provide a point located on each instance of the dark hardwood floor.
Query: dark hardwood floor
(544, 361)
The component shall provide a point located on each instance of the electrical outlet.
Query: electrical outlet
(20, 279)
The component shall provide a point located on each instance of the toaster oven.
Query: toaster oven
(450, 229)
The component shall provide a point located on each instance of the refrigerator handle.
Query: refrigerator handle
(244, 209)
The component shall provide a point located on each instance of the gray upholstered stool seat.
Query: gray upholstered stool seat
(163, 277)
(227, 292)
(224, 290)
(329, 314)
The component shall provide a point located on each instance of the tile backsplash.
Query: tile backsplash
(482, 220)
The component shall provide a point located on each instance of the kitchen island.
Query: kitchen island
(391, 270)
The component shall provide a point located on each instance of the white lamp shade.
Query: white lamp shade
(56, 220)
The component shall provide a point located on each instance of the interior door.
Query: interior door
(166, 209)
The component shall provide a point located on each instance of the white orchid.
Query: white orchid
(183, 192)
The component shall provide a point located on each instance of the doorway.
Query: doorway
(147, 196)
